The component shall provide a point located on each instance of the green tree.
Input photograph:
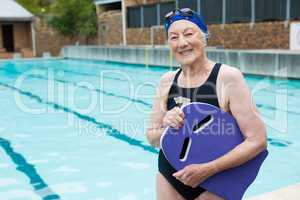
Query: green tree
(75, 18)
(37, 7)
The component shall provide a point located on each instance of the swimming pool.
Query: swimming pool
(75, 129)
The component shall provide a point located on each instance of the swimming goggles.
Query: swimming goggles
(185, 14)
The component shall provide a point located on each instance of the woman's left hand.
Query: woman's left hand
(194, 174)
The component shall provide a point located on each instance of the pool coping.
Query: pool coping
(207, 49)
(290, 192)
(274, 63)
(31, 59)
(136, 64)
(172, 67)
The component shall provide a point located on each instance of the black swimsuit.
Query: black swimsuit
(205, 93)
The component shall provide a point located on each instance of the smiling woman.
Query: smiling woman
(190, 35)
(200, 80)
(48, 116)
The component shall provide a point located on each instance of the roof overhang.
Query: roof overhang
(16, 19)
(12, 11)
(101, 2)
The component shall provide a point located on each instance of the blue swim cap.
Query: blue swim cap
(185, 14)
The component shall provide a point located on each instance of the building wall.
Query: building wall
(267, 35)
(137, 36)
(22, 36)
(264, 35)
(129, 3)
(133, 2)
(110, 27)
(1, 44)
(22, 40)
(49, 40)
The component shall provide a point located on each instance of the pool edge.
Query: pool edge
(290, 192)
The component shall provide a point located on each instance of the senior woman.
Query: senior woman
(200, 80)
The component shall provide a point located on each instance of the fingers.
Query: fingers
(179, 111)
(173, 124)
(170, 121)
(183, 174)
(179, 173)
(187, 177)
(194, 184)
(174, 118)
(178, 120)
(184, 177)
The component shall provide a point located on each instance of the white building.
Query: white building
(16, 30)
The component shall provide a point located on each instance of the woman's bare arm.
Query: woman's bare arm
(243, 109)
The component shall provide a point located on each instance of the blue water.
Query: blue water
(75, 129)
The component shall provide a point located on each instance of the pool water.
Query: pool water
(75, 129)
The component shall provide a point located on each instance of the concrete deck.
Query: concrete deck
(277, 63)
(291, 192)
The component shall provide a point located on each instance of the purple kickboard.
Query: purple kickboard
(220, 135)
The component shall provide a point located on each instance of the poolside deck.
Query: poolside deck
(291, 192)
(275, 63)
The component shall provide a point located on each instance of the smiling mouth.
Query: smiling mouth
(186, 52)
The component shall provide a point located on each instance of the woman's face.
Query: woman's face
(186, 41)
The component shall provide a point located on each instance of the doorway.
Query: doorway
(8, 37)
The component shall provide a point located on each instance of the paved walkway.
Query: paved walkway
(291, 192)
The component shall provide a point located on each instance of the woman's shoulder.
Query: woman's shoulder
(168, 77)
(229, 74)
(228, 77)
(166, 81)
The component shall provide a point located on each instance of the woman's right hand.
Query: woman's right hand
(174, 118)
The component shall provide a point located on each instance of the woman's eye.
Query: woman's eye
(188, 34)
(174, 38)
